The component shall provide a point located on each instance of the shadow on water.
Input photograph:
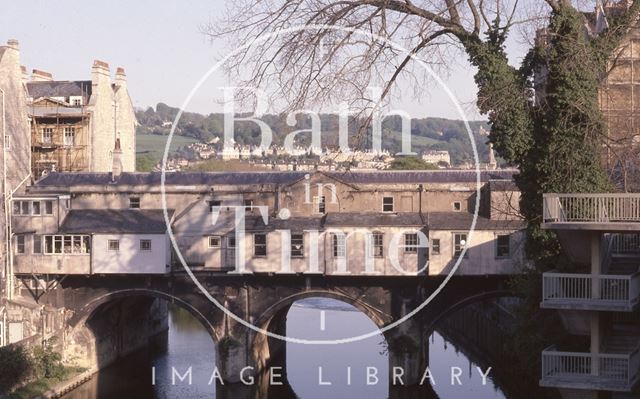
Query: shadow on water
(355, 370)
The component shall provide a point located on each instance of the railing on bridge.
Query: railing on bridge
(569, 369)
(586, 291)
(591, 208)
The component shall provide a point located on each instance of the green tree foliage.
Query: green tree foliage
(411, 163)
(15, 366)
(554, 139)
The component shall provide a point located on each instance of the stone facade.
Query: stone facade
(74, 124)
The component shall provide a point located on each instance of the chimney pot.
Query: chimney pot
(100, 64)
(40, 75)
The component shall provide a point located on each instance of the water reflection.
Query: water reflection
(344, 367)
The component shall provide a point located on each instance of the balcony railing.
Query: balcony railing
(590, 370)
(591, 208)
(625, 244)
(586, 291)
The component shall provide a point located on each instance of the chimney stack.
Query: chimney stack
(38, 75)
(117, 162)
(121, 77)
(100, 74)
(13, 43)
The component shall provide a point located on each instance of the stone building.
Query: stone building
(75, 123)
(324, 222)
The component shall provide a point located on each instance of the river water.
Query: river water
(155, 372)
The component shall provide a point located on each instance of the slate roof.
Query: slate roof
(108, 221)
(503, 185)
(59, 88)
(344, 219)
(463, 220)
(223, 178)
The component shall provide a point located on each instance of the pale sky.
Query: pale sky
(161, 47)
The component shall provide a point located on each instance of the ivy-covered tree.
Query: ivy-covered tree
(551, 130)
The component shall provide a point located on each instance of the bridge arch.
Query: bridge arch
(468, 300)
(84, 338)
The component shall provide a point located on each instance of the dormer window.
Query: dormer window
(76, 102)
(387, 204)
(457, 206)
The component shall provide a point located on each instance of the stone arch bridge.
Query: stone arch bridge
(106, 314)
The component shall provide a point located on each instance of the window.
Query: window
(35, 208)
(387, 204)
(21, 208)
(503, 249)
(459, 242)
(214, 241)
(134, 202)
(7, 142)
(411, 243)
(76, 102)
(48, 207)
(377, 242)
(297, 245)
(231, 241)
(47, 135)
(435, 246)
(319, 204)
(114, 245)
(248, 205)
(214, 205)
(260, 244)
(69, 136)
(457, 206)
(339, 242)
(20, 244)
(37, 244)
(145, 245)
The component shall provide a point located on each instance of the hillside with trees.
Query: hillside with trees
(426, 133)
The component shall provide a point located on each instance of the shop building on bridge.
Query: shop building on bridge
(330, 223)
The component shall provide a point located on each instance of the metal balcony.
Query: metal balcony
(601, 371)
(604, 292)
(612, 211)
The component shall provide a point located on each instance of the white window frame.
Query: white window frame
(114, 248)
(47, 135)
(411, 241)
(434, 246)
(375, 236)
(69, 132)
(21, 244)
(213, 238)
(256, 245)
(78, 244)
(456, 206)
(457, 248)
(339, 245)
(299, 238)
(319, 204)
(384, 205)
(46, 204)
(134, 202)
(143, 243)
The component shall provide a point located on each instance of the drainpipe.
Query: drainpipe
(7, 232)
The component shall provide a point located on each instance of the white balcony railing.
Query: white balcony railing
(566, 368)
(591, 208)
(625, 244)
(584, 289)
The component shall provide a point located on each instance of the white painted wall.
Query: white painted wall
(129, 258)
